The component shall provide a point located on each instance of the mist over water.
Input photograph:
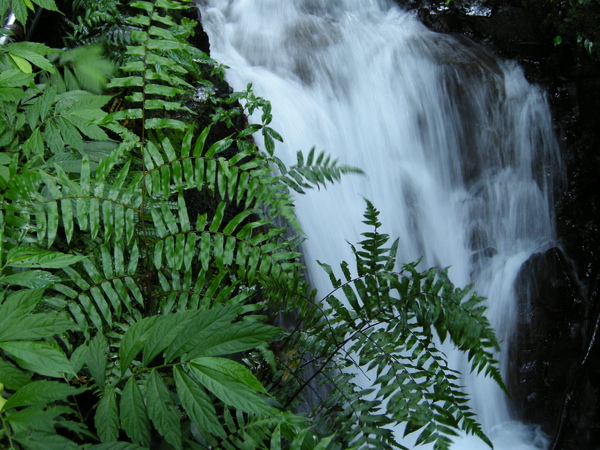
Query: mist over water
(457, 148)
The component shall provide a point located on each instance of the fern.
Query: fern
(100, 23)
(139, 243)
(156, 268)
(385, 324)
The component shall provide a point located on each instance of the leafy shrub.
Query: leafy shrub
(142, 264)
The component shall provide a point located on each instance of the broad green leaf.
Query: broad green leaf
(276, 438)
(161, 410)
(18, 305)
(231, 369)
(19, 8)
(134, 340)
(21, 63)
(32, 418)
(78, 357)
(134, 418)
(15, 78)
(131, 81)
(33, 257)
(10, 95)
(106, 418)
(201, 328)
(228, 387)
(33, 53)
(50, 5)
(161, 124)
(218, 147)
(36, 418)
(197, 404)
(234, 338)
(31, 279)
(218, 217)
(37, 326)
(297, 443)
(164, 331)
(97, 359)
(45, 358)
(41, 393)
(46, 441)
(40, 108)
(324, 443)
(12, 377)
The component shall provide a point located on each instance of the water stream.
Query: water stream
(457, 147)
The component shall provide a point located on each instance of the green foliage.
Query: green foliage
(579, 22)
(571, 23)
(100, 23)
(141, 267)
(390, 324)
(22, 8)
(36, 407)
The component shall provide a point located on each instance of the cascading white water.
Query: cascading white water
(457, 147)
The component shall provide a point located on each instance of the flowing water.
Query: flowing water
(457, 148)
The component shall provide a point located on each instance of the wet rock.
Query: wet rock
(545, 340)
(548, 348)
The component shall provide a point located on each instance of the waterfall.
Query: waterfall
(456, 145)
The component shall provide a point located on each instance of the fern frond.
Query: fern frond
(317, 171)
(388, 332)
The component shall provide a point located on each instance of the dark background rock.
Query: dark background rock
(550, 385)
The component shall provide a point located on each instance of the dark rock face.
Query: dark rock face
(547, 358)
(555, 375)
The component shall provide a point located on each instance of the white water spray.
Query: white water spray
(457, 147)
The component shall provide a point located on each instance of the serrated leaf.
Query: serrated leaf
(78, 357)
(50, 5)
(161, 410)
(18, 305)
(231, 369)
(21, 63)
(12, 377)
(34, 53)
(97, 359)
(45, 358)
(37, 326)
(201, 328)
(234, 338)
(31, 279)
(40, 393)
(45, 441)
(197, 404)
(35, 418)
(229, 389)
(134, 340)
(15, 78)
(164, 331)
(106, 418)
(33, 257)
(134, 418)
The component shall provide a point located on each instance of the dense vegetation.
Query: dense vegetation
(144, 264)
(575, 21)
